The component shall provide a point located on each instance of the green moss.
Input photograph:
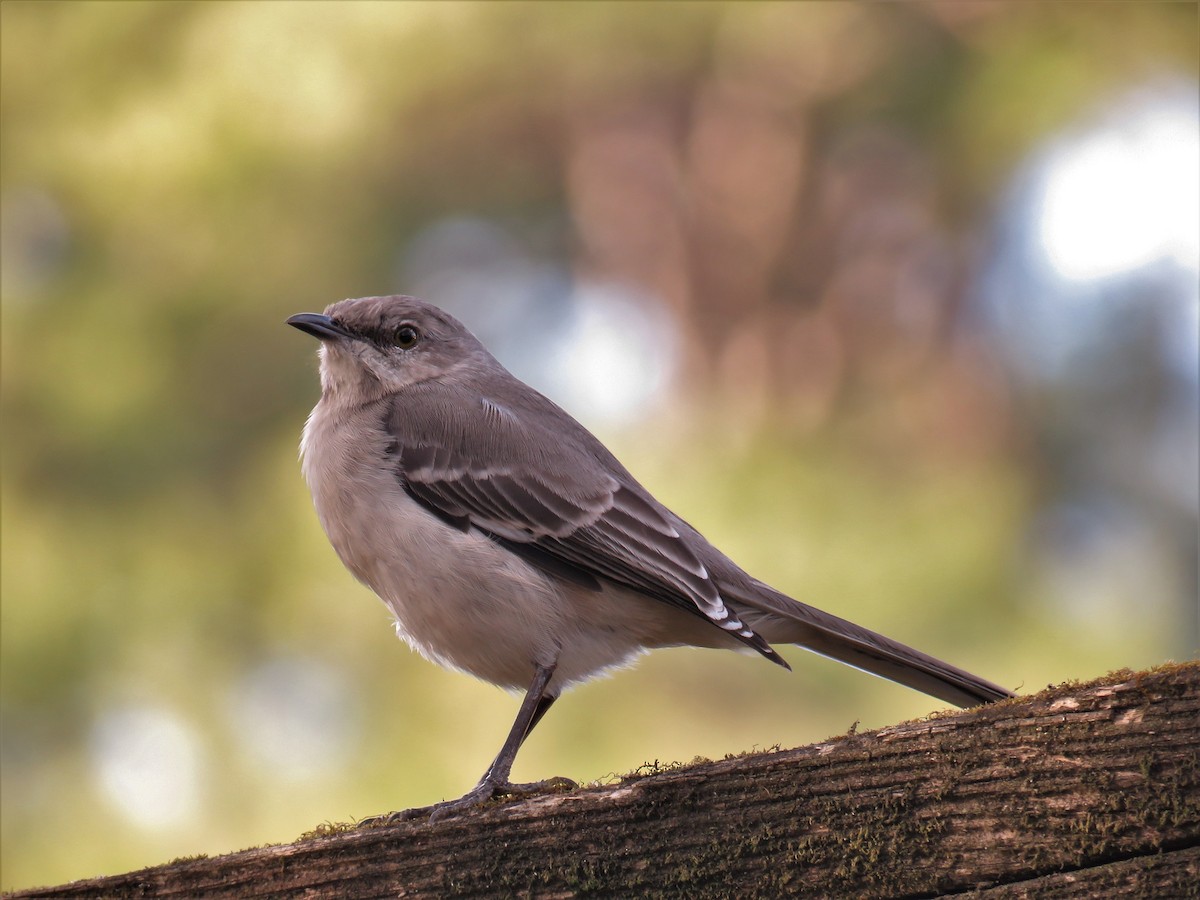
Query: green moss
(328, 829)
(195, 857)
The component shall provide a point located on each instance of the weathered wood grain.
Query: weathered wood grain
(1082, 790)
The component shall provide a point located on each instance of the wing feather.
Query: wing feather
(559, 499)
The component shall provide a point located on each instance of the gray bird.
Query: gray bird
(510, 544)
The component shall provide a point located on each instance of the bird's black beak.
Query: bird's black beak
(319, 326)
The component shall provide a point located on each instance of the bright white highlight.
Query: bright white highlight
(1125, 195)
(618, 356)
(147, 762)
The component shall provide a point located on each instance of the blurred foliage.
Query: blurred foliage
(177, 178)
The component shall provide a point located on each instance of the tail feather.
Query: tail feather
(781, 619)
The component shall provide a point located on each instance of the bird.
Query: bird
(510, 544)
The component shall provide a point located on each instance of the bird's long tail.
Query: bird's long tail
(780, 619)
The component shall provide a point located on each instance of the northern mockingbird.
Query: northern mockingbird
(512, 545)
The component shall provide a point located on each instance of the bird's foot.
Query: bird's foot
(489, 789)
(483, 792)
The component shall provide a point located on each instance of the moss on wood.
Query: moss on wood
(1080, 790)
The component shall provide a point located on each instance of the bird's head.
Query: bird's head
(375, 346)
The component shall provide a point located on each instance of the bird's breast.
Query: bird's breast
(459, 598)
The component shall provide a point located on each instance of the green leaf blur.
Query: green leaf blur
(177, 178)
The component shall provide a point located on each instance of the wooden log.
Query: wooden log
(1081, 790)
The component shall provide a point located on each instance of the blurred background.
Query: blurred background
(897, 303)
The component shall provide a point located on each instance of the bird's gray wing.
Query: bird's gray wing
(522, 471)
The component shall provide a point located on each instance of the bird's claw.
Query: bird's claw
(477, 796)
(488, 790)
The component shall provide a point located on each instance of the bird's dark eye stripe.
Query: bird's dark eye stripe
(351, 330)
(405, 335)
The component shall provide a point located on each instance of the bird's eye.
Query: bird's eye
(407, 337)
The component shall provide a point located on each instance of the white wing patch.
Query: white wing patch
(496, 412)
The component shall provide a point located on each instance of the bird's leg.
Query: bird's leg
(495, 780)
(533, 707)
(542, 708)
